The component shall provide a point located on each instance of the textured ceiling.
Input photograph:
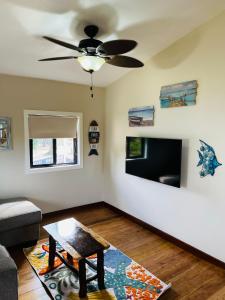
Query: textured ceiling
(154, 24)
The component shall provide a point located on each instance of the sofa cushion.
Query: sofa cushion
(18, 213)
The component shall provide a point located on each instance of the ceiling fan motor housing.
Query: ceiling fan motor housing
(89, 45)
(91, 30)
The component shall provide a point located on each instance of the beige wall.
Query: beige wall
(55, 190)
(194, 213)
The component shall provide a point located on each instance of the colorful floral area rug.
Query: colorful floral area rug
(124, 278)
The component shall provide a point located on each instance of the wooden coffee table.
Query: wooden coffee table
(79, 242)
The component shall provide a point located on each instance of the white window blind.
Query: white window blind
(52, 127)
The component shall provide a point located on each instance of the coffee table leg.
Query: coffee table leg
(52, 250)
(82, 279)
(69, 258)
(100, 270)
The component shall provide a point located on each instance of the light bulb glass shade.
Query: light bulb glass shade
(91, 63)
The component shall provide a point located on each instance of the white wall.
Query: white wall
(195, 212)
(55, 190)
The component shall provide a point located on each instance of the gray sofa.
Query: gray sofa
(19, 221)
(19, 225)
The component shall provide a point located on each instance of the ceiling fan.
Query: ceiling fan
(94, 53)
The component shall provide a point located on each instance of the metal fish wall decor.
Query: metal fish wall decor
(207, 159)
(93, 137)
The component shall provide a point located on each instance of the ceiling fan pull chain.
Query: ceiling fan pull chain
(92, 87)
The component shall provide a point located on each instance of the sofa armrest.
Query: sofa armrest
(8, 279)
(7, 264)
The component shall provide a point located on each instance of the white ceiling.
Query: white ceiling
(154, 24)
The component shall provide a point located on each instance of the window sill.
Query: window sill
(53, 169)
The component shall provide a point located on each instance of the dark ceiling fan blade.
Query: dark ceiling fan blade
(117, 47)
(64, 44)
(125, 62)
(58, 58)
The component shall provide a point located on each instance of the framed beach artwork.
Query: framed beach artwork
(179, 94)
(141, 116)
(5, 133)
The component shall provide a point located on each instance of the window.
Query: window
(52, 152)
(53, 140)
(41, 152)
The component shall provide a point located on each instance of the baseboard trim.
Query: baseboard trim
(169, 237)
(75, 208)
(151, 228)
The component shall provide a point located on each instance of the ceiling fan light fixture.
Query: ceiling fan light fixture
(91, 63)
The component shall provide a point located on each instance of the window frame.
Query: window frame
(53, 167)
(54, 150)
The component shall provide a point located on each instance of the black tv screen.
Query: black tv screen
(154, 159)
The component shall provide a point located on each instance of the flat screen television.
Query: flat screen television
(154, 159)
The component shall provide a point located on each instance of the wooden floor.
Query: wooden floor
(191, 277)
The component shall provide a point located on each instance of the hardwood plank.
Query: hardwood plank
(38, 294)
(219, 295)
(191, 277)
